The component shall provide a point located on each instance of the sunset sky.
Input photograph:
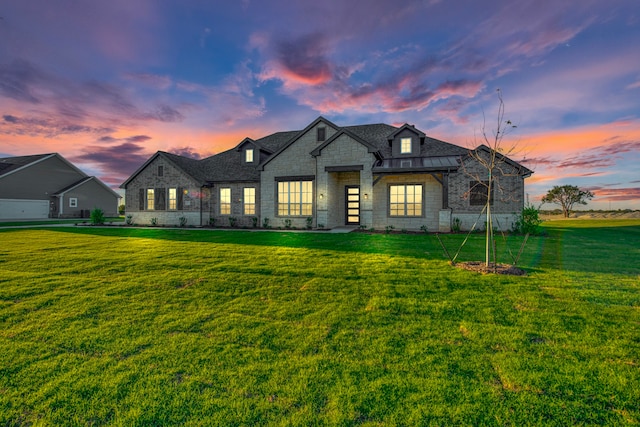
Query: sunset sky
(108, 83)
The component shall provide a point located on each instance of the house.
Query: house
(327, 176)
(49, 186)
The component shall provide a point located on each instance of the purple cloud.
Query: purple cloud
(616, 194)
(304, 60)
(45, 127)
(67, 100)
(186, 152)
(122, 159)
(17, 80)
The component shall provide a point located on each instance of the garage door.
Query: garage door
(23, 209)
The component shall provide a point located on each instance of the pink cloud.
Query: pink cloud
(634, 85)
(604, 193)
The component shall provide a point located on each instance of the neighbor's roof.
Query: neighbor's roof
(11, 164)
(84, 181)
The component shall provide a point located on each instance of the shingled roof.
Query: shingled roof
(9, 164)
(229, 165)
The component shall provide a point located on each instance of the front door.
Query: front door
(352, 204)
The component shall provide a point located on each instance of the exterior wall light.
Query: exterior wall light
(366, 196)
(321, 196)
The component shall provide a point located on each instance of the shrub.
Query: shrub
(154, 221)
(212, 221)
(309, 222)
(528, 221)
(129, 220)
(388, 229)
(424, 229)
(183, 221)
(254, 221)
(232, 221)
(97, 216)
(121, 210)
(287, 223)
(320, 226)
(265, 223)
(455, 225)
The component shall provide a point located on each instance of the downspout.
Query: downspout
(61, 210)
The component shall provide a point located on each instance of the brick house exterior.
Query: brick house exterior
(371, 176)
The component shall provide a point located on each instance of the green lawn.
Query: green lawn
(140, 327)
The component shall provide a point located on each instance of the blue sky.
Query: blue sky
(106, 84)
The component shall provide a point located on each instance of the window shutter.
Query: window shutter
(141, 199)
(160, 199)
(180, 197)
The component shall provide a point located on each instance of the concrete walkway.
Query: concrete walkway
(343, 229)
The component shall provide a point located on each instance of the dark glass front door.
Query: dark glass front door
(352, 204)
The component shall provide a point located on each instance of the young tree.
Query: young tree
(567, 196)
(492, 156)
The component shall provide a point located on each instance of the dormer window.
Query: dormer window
(405, 145)
(321, 134)
(248, 155)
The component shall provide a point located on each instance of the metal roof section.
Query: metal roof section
(417, 164)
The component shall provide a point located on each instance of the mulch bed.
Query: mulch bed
(481, 267)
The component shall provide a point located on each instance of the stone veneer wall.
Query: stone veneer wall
(508, 196)
(344, 151)
(194, 197)
(237, 205)
(432, 203)
(295, 160)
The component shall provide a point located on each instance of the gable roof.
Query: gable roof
(187, 165)
(372, 148)
(299, 135)
(522, 170)
(82, 182)
(404, 127)
(12, 164)
(9, 165)
(229, 165)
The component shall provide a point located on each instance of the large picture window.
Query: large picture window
(405, 200)
(295, 198)
(478, 193)
(151, 199)
(249, 201)
(225, 201)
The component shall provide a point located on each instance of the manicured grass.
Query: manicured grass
(126, 327)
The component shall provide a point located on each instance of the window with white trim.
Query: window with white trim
(248, 155)
(295, 198)
(249, 201)
(405, 145)
(405, 200)
(73, 202)
(225, 201)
